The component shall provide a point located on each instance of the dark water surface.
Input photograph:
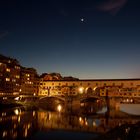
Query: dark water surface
(34, 124)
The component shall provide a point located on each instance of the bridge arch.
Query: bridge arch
(88, 90)
(96, 91)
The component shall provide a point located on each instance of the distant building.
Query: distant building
(51, 76)
(9, 76)
(29, 81)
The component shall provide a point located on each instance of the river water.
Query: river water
(36, 123)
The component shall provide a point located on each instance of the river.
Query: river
(37, 123)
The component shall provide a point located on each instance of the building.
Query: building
(29, 81)
(102, 87)
(9, 76)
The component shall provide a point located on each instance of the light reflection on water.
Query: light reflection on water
(21, 123)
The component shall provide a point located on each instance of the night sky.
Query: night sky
(81, 38)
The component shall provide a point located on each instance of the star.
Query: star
(82, 19)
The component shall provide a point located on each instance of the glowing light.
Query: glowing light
(131, 100)
(19, 119)
(82, 19)
(80, 119)
(4, 134)
(8, 70)
(29, 125)
(94, 123)
(4, 98)
(17, 98)
(34, 94)
(33, 113)
(81, 89)
(59, 108)
(26, 132)
(16, 111)
(127, 100)
(95, 88)
(3, 114)
(86, 123)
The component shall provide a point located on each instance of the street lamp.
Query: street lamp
(81, 89)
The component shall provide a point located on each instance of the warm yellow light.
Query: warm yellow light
(19, 119)
(81, 89)
(7, 79)
(86, 123)
(16, 111)
(17, 76)
(17, 98)
(4, 134)
(94, 88)
(80, 119)
(8, 70)
(59, 108)
(94, 123)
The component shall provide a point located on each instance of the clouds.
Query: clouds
(111, 6)
(3, 34)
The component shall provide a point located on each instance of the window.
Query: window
(17, 67)
(13, 80)
(28, 75)
(8, 70)
(7, 79)
(17, 76)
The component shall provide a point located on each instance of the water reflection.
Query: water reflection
(20, 123)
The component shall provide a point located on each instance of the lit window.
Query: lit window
(28, 78)
(13, 80)
(8, 70)
(28, 75)
(7, 79)
(17, 67)
(17, 76)
(9, 61)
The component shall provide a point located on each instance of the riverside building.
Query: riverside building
(9, 76)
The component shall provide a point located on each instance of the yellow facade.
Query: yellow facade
(122, 87)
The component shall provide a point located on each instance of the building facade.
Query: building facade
(9, 76)
(29, 81)
(111, 87)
